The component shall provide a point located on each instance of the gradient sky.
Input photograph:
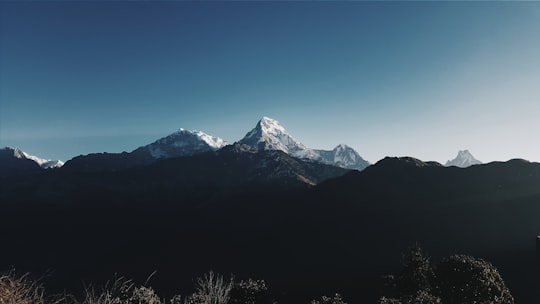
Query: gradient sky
(422, 79)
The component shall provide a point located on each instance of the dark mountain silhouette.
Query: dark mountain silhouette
(256, 213)
(199, 178)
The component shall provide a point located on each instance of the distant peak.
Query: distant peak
(463, 159)
(186, 131)
(269, 134)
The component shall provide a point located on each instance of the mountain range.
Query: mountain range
(268, 134)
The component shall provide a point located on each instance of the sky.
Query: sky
(421, 79)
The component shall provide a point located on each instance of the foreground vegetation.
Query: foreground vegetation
(458, 279)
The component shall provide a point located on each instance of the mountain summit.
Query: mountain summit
(463, 159)
(178, 144)
(269, 134)
(182, 143)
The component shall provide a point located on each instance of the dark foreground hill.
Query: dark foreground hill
(339, 236)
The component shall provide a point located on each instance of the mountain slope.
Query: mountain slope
(196, 179)
(13, 161)
(178, 144)
(463, 159)
(45, 163)
(182, 143)
(269, 134)
(16, 153)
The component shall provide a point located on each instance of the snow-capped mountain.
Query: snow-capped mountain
(182, 143)
(43, 163)
(463, 159)
(343, 156)
(178, 144)
(269, 134)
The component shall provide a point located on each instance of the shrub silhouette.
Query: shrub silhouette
(417, 274)
(458, 279)
(143, 295)
(250, 292)
(464, 279)
(420, 297)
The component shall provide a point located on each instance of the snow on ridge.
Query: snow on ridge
(212, 141)
(272, 127)
(43, 163)
(183, 143)
(18, 153)
(463, 159)
(269, 134)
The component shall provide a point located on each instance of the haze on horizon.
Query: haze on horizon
(421, 79)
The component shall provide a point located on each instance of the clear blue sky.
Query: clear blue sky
(423, 79)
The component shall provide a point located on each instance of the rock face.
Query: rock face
(269, 134)
(463, 159)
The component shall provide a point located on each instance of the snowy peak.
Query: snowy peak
(43, 163)
(463, 159)
(343, 156)
(183, 143)
(269, 134)
(347, 157)
(271, 127)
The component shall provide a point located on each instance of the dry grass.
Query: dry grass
(211, 289)
(117, 291)
(20, 289)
